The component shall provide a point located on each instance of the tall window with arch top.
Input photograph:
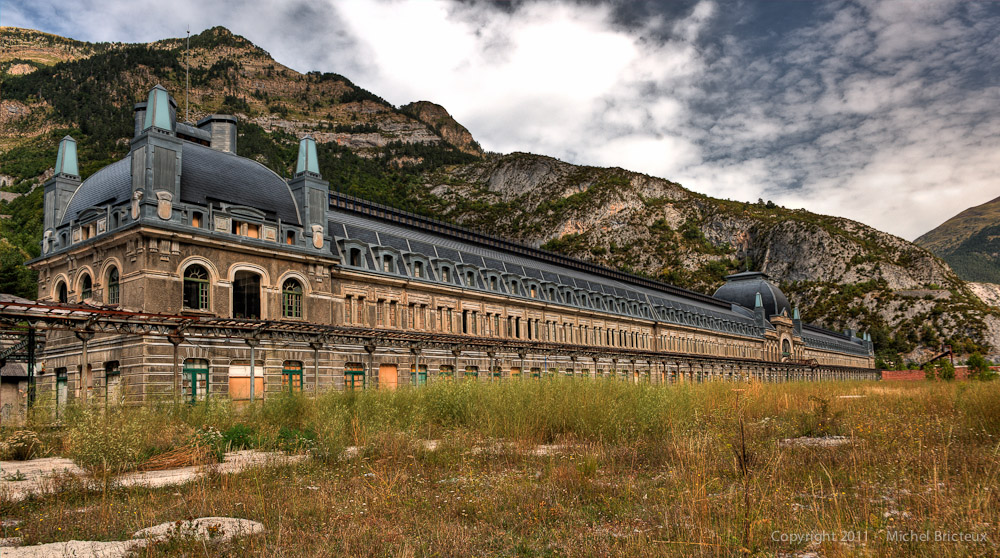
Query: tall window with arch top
(113, 286)
(86, 287)
(196, 288)
(291, 299)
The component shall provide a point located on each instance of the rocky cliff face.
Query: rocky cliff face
(440, 121)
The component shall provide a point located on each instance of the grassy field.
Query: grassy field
(557, 468)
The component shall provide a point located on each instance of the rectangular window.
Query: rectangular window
(418, 376)
(471, 372)
(196, 378)
(354, 376)
(446, 372)
(62, 390)
(290, 237)
(196, 220)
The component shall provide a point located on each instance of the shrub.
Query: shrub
(292, 440)
(22, 445)
(240, 436)
(979, 368)
(946, 370)
(820, 421)
(109, 444)
(211, 439)
(929, 371)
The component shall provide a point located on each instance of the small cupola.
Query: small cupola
(66, 163)
(307, 161)
(161, 110)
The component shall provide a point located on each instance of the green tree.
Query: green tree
(979, 368)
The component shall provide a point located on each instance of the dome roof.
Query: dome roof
(207, 176)
(742, 289)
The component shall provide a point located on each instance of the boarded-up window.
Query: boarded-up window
(388, 376)
(239, 380)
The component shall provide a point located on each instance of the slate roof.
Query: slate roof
(742, 289)
(211, 175)
(697, 311)
(207, 175)
(110, 185)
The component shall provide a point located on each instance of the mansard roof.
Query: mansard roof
(207, 176)
(379, 226)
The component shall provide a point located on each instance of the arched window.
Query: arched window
(291, 375)
(113, 286)
(86, 287)
(62, 293)
(291, 299)
(196, 288)
(786, 348)
(246, 295)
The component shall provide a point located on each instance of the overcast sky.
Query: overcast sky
(883, 112)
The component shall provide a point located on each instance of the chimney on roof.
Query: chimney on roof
(222, 127)
(139, 112)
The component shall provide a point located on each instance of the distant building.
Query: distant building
(185, 227)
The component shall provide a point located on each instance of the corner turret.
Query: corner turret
(312, 193)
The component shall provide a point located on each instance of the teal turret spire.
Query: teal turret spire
(66, 158)
(307, 161)
(795, 314)
(158, 109)
(757, 302)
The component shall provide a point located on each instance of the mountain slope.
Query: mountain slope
(841, 273)
(418, 158)
(969, 242)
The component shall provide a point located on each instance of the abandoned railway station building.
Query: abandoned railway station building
(205, 274)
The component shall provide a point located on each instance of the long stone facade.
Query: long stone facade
(185, 228)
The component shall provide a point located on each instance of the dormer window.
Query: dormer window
(470, 279)
(493, 283)
(242, 228)
(446, 274)
(290, 237)
(387, 264)
(513, 288)
(354, 258)
(418, 269)
(533, 291)
(196, 219)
